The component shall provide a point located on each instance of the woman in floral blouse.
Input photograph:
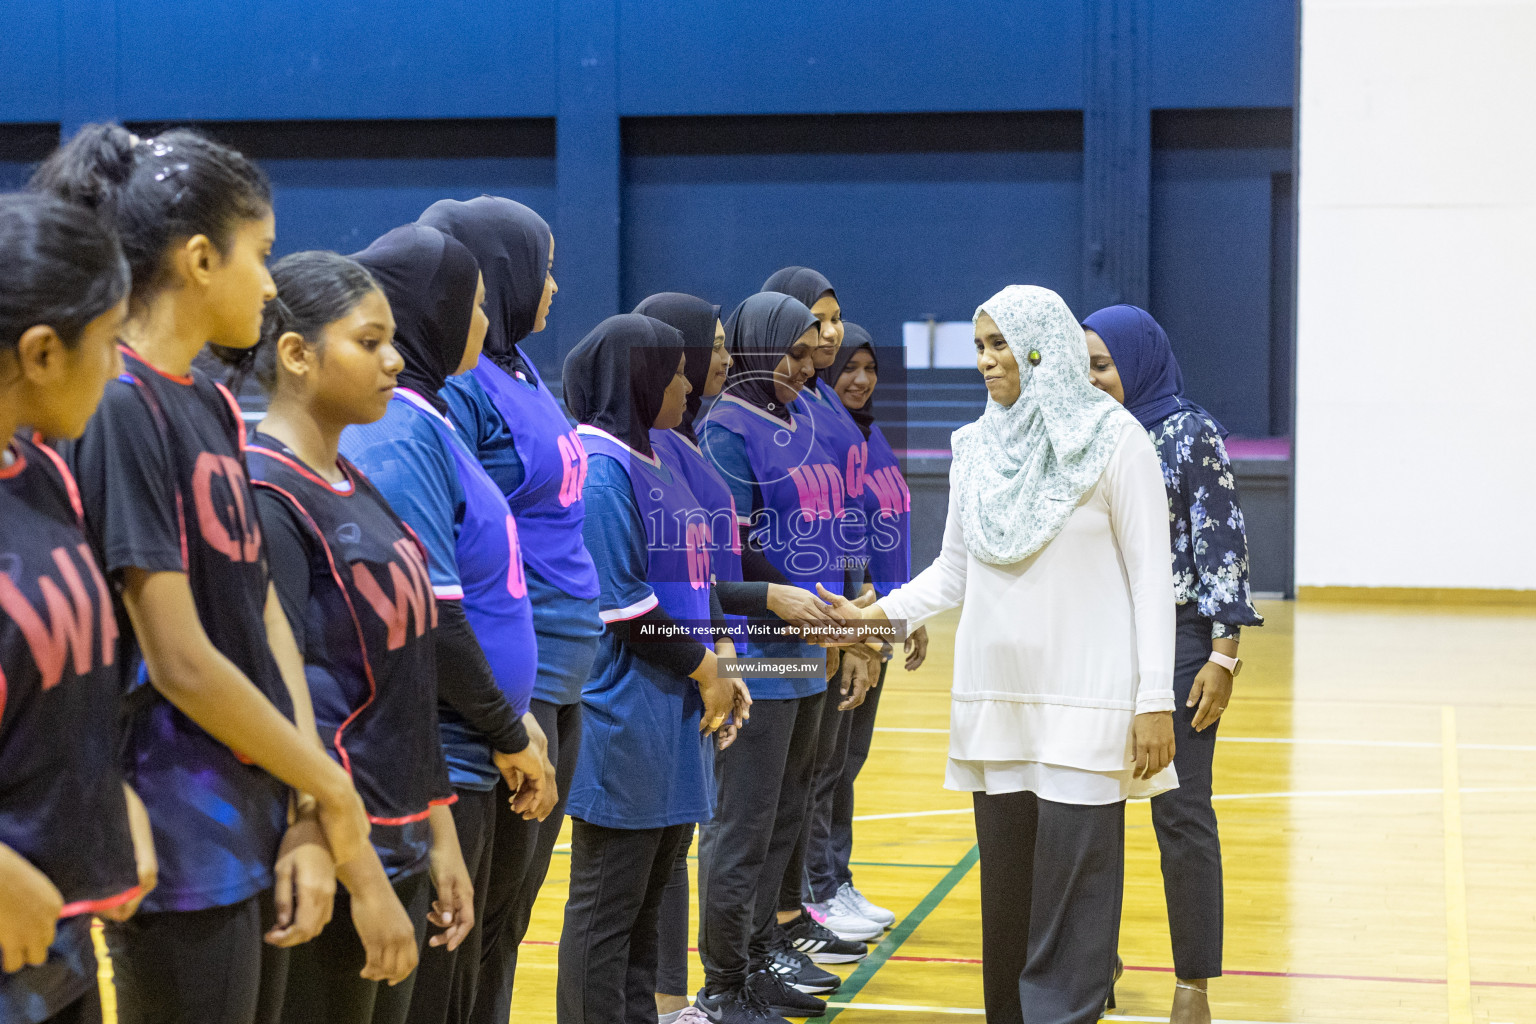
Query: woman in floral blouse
(1130, 358)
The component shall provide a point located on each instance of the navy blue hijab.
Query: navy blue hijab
(617, 376)
(1154, 385)
(758, 334)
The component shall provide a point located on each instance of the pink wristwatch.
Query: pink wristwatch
(1232, 665)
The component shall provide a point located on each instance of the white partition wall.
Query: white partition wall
(1416, 324)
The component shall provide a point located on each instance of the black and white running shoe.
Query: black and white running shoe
(799, 970)
(741, 1006)
(821, 944)
(782, 998)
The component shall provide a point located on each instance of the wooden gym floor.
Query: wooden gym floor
(1376, 783)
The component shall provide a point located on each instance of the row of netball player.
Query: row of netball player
(391, 636)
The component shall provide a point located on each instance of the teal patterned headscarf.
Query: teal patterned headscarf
(1021, 470)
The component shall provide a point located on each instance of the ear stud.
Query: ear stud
(1034, 357)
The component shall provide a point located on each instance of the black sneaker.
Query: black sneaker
(798, 970)
(821, 944)
(783, 998)
(739, 1007)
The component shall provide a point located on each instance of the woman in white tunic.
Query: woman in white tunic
(1056, 547)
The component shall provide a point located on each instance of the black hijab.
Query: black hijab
(511, 244)
(758, 334)
(854, 339)
(616, 376)
(802, 283)
(430, 281)
(696, 319)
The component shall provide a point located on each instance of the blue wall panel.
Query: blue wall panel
(902, 236)
(336, 58)
(29, 61)
(1211, 264)
(1223, 55)
(345, 204)
(810, 56)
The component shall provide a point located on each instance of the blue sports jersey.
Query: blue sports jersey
(797, 518)
(888, 506)
(162, 476)
(363, 613)
(844, 443)
(715, 497)
(644, 763)
(526, 446)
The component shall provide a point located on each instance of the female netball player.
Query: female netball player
(788, 493)
(656, 694)
(844, 444)
(854, 376)
(509, 418)
(220, 717)
(708, 362)
(486, 655)
(70, 830)
(353, 582)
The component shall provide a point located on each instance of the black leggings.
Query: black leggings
(325, 985)
(672, 930)
(523, 849)
(199, 966)
(445, 981)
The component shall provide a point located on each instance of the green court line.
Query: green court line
(852, 863)
(903, 931)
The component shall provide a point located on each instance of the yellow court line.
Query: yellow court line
(1458, 963)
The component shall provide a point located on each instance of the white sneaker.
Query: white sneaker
(855, 902)
(687, 1015)
(842, 922)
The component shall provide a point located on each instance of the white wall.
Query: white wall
(1416, 387)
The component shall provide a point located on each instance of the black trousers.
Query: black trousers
(608, 948)
(199, 966)
(85, 1010)
(762, 781)
(522, 852)
(1185, 821)
(816, 833)
(1052, 877)
(445, 982)
(324, 983)
(831, 869)
(672, 929)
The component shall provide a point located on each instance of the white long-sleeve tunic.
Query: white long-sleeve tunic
(1055, 655)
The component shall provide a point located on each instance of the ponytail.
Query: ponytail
(157, 191)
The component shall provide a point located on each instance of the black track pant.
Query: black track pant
(198, 966)
(523, 849)
(325, 985)
(608, 948)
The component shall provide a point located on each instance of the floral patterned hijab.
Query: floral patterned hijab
(1020, 471)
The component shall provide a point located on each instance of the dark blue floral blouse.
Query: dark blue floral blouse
(1210, 549)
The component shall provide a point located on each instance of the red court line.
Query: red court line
(1254, 974)
(1169, 970)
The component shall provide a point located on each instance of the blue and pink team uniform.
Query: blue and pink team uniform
(416, 458)
(645, 765)
(523, 441)
(61, 790)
